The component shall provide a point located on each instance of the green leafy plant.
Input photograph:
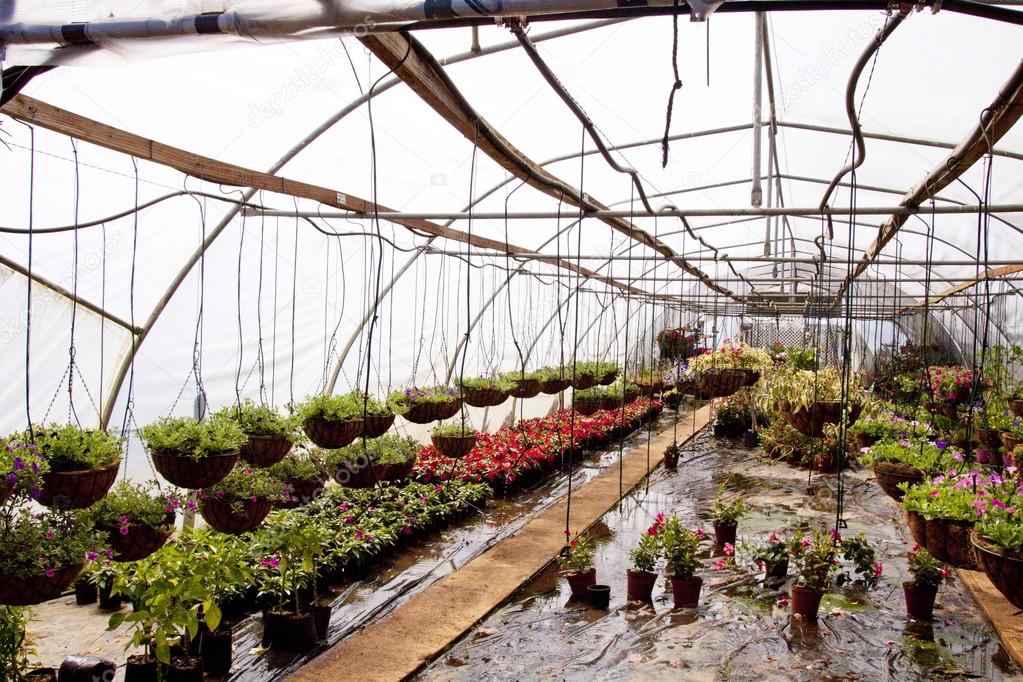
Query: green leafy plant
(245, 483)
(69, 448)
(388, 449)
(134, 503)
(488, 383)
(341, 408)
(649, 549)
(14, 650)
(816, 558)
(595, 393)
(299, 466)
(860, 551)
(802, 388)
(680, 547)
(577, 554)
(188, 437)
(261, 420)
(289, 551)
(454, 430)
(925, 569)
(801, 358)
(725, 512)
(40, 544)
(402, 401)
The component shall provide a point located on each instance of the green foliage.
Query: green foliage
(34, 544)
(488, 383)
(128, 503)
(261, 420)
(925, 569)
(402, 401)
(801, 358)
(13, 651)
(577, 554)
(921, 455)
(290, 550)
(341, 408)
(595, 393)
(454, 430)
(244, 483)
(816, 558)
(860, 551)
(1003, 526)
(733, 413)
(802, 388)
(299, 466)
(943, 500)
(680, 547)
(644, 556)
(69, 448)
(187, 437)
(388, 449)
(727, 512)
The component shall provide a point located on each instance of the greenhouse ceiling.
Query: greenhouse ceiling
(200, 188)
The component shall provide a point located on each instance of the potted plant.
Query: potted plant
(732, 418)
(485, 391)
(954, 385)
(904, 462)
(82, 464)
(808, 400)
(725, 516)
(554, 380)
(101, 573)
(270, 435)
(136, 519)
(726, 369)
(585, 376)
(40, 555)
(333, 421)
(606, 372)
(641, 577)
(998, 544)
(303, 474)
(920, 592)
(671, 454)
(587, 401)
(193, 454)
(425, 405)
(21, 470)
(241, 500)
(772, 556)
(816, 559)
(454, 440)
(680, 546)
(576, 564)
(525, 384)
(649, 380)
(362, 464)
(288, 551)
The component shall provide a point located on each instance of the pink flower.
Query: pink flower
(271, 562)
(50, 535)
(123, 530)
(773, 537)
(783, 601)
(835, 535)
(878, 569)
(806, 542)
(91, 555)
(729, 549)
(721, 564)
(50, 573)
(699, 533)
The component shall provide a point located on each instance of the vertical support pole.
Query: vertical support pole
(757, 195)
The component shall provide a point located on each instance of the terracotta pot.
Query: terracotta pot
(917, 527)
(671, 459)
(600, 596)
(640, 585)
(720, 383)
(330, 434)
(321, 617)
(140, 541)
(139, 668)
(578, 581)
(220, 515)
(686, 591)
(949, 541)
(725, 533)
(36, 590)
(919, 600)
(454, 446)
(584, 381)
(182, 470)
(805, 601)
(890, 474)
(77, 489)
(290, 632)
(265, 451)
(303, 491)
(483, 397)
(810, 421)
(1003, 569)
(586, 406)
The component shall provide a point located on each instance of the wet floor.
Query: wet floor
(738, 632)
(60, 628)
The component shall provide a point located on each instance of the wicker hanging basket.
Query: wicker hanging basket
(949, 541)
(586, 406)
(483, 397)
(77, 489)
(1003, 569)
(264, 451)
(810, 421)
(37, 589)
(890, 474)
(220, 514)
(526, 388)
(139, 541)
(917, 527)
(376, 425)
(359, 476)
(182, 470)
(331, 434)
(554, 386)
(608, 379)
(426, 412)
(720, 383)
(751, 376)
(303, 491)
(454, 447)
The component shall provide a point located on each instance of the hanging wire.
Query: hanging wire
(72, 412)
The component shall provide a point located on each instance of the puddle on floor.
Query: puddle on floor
(738, 632)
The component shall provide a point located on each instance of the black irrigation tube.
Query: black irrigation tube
(973, 9)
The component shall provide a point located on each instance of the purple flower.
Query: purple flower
(19, 464)
(940, 444)
(50, 535)
(271, 562)
(12, 478)
(35, 467)
(36, 493)
(124, 530)
(50, 573)
(91, 555)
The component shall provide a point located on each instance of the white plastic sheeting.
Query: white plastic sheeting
(281, 301)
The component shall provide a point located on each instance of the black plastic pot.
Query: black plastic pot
(184, 669)
(86, 669)
(600, 596)
(108, 601)
(140, 669)
(289, 632)
(321, 617)
(216, 652)
(85, 592)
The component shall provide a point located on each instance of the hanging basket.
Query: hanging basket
(608, 379)
(586, 406)
(1003, 569)
(917, 527)
(554, 386)
(526, 388)
(5, 490)
(182, 470)
(220, 515)
(454, 446)
(264, 451)
(1009, 441)
(890, 474)
(399, 471)
(949, 541)
(610, 403)
(720, 383)
(303, 491)
(584, 381)
(376, 425)
(360, 477)
(630, 397)
(751, 376)
(77, 489)
(651, 387)
(483, 397)
(140, 540)
(330, 434)
(424, 413)
(1016, 405)
(37, 589)
(810, 422)
(864, 440)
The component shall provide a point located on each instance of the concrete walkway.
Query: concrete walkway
(397, 646)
